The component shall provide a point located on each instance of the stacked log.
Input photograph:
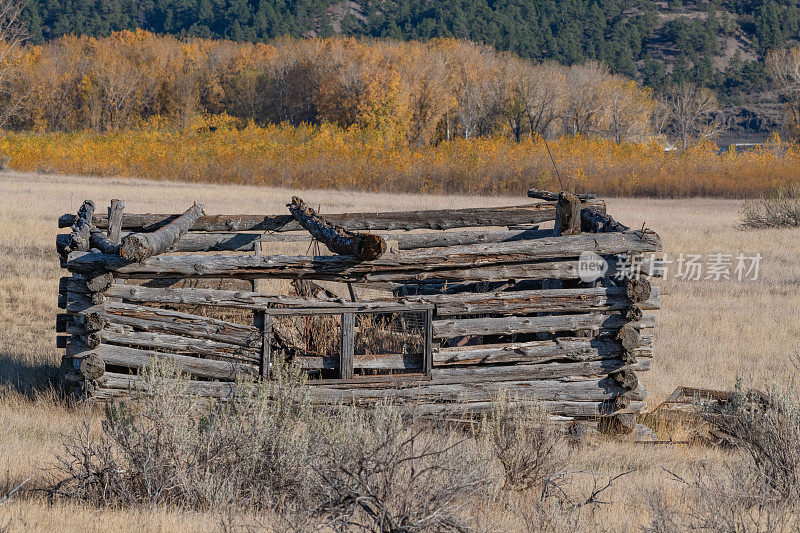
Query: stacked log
(494, 323)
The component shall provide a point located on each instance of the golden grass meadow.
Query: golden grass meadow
(709, 333)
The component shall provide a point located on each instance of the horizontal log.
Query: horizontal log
(167, 321)
(127, 336)
(243, 242)
(554, 300)
(416, 392)
(135, 358)
(563, 349)
(536, 324)
(394, 265)
(413, 241)
(560, 408)
(256, 300)
(402, 220)
(570, 388)
(111, 384)
(600, 368)
(534, 301)
(553, 196)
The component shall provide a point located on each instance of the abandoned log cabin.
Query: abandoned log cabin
(439, 311)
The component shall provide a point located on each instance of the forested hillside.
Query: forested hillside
(720, 44)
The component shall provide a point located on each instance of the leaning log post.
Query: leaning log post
(364, 246)
(139, 246)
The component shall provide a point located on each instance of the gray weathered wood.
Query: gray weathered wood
(100, 241)
(596, 221)
(167, 321)
(533, 324)
(127, 336)
(568, 215)
(534, 301)
(347, 345)
(115, 211)
(135, 358)
(363, 246)
(402, 220)
(139, 246)
(568, 389)
(590, 410)
(242, 242)
(413, 241)
(562, 300)
(599, 368)
(553, 196)
(424, 263)
(532, 352)
(254, 300)
(78, 239)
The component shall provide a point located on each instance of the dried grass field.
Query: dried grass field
(708, 334)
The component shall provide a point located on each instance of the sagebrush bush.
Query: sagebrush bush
(530, 449)
(169, 447)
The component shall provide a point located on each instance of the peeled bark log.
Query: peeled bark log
(364, 246)
(140, 246)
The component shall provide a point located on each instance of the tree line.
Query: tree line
(411, 92)
(629, 36)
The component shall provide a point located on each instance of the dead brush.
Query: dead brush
(781, 210)
(380, 471)
(760, 490)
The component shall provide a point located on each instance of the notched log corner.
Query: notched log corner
(363, 246)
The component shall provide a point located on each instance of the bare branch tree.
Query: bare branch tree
(12, 32)
(689, 109)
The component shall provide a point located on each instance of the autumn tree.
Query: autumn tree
(628, 110)
(584, 98)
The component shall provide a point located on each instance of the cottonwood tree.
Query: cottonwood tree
(784, 69)
(629, 110)
(12, 32)
(688, 111)
(584, 102)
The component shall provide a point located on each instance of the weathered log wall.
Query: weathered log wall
(490, 316)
